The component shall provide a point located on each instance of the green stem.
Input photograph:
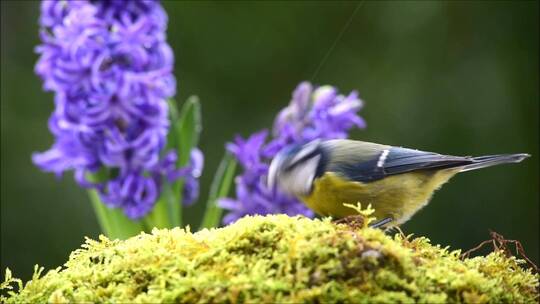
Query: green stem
(113, 222)
(101, 213)
(219, 188)
(175, 203)
(159, 216)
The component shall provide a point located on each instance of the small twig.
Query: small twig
(401, 233)
(467, 253)
(500, 243)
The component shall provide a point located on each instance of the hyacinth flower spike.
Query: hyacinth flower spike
(313, 113)
(110, 68)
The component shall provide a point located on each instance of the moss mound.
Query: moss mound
(277, 259)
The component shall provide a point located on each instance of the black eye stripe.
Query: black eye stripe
(290, 167)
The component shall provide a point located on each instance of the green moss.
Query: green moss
(277, 259)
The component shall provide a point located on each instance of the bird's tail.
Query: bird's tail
(492, 160)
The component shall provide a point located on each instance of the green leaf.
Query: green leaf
(164, 212)
(220, 188)
(113, 222)
(173, 118)
(187, 129)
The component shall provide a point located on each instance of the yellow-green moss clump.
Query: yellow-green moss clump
(277, 259)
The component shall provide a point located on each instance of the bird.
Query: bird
(326, 175)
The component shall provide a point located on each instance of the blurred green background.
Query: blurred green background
(452, 77)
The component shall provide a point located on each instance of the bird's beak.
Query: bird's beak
(273, 171)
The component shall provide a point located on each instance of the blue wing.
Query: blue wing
(396, 160)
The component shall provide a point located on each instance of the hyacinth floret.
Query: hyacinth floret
(110, 68)
(313, 113)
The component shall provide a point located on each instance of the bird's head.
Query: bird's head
(294, 168)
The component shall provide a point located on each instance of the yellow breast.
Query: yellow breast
(397, 196)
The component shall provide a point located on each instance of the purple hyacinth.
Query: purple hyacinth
(319, 113)
(110, 68)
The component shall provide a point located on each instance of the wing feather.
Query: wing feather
(395, 160)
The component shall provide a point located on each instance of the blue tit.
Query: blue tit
(396, 181)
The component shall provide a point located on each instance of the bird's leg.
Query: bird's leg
(379, 224)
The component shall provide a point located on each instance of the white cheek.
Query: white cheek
(308, 183)
(299, 181)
